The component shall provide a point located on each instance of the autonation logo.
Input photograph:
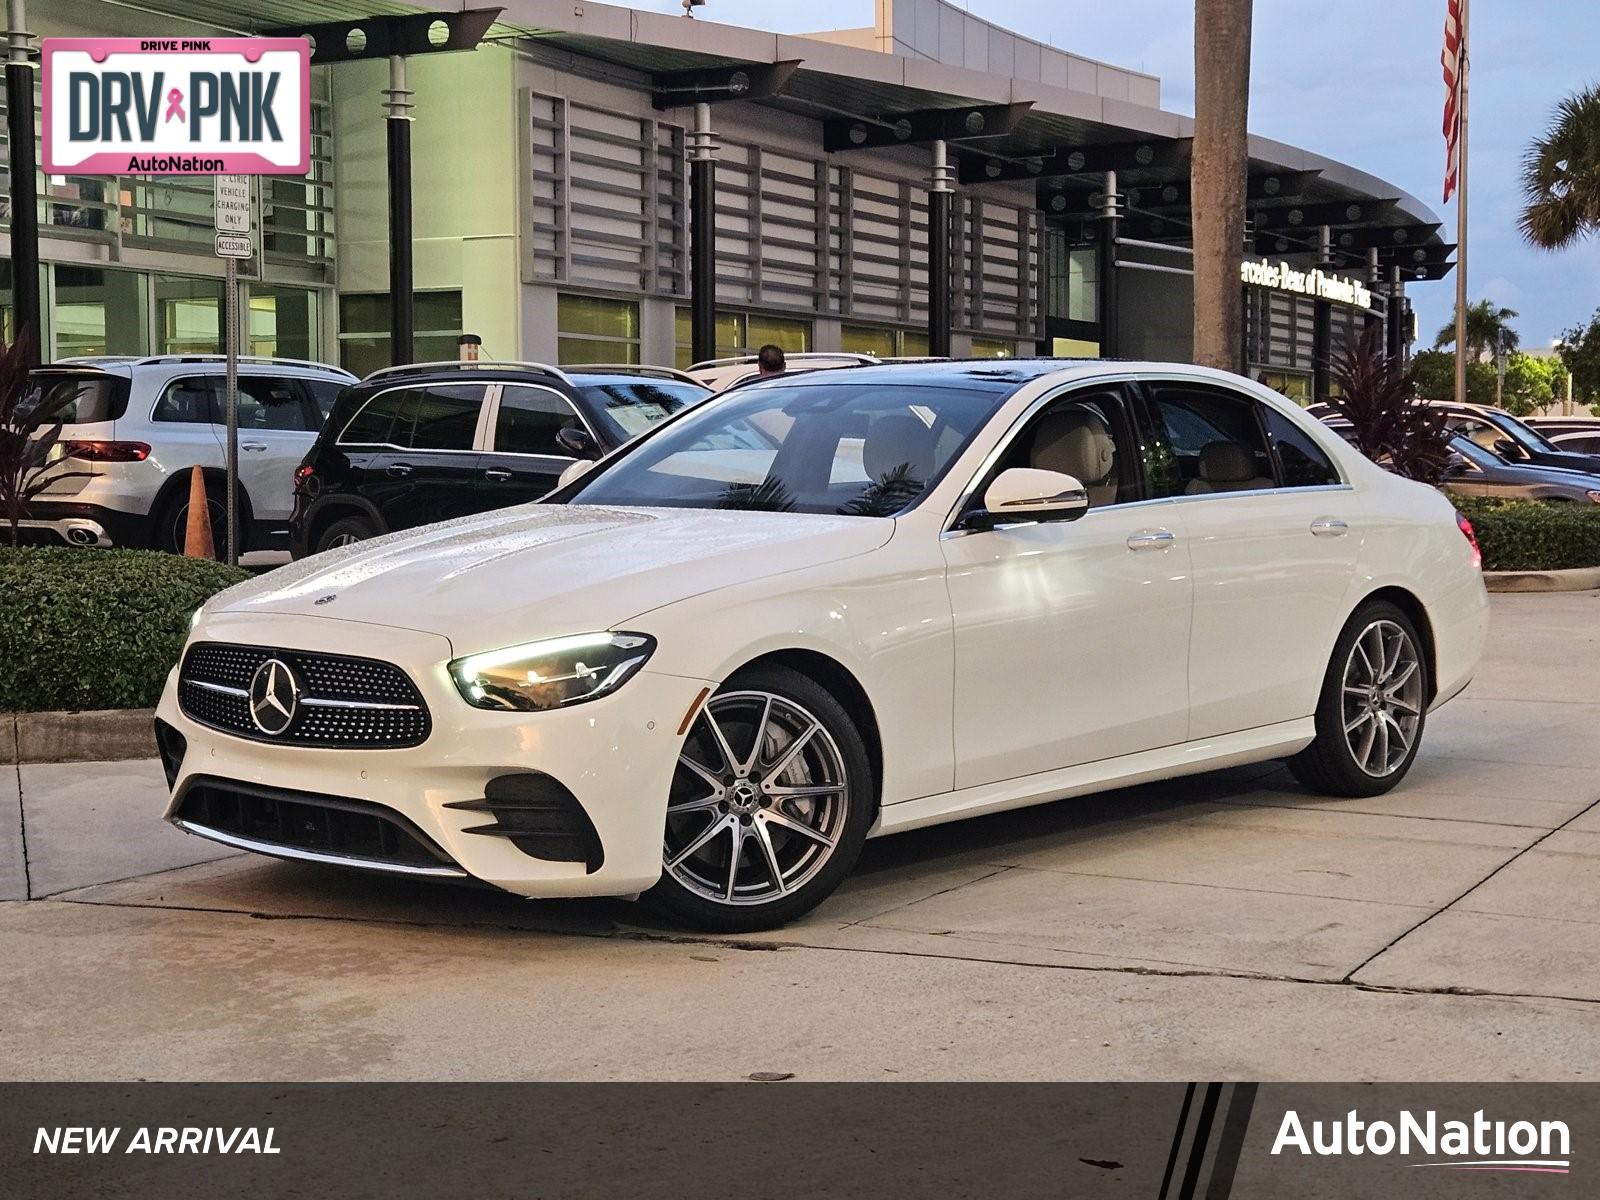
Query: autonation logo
(1476, 1145)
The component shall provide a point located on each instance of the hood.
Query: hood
(545, 570)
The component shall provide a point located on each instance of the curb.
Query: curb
(57, 737)
(1579, 579)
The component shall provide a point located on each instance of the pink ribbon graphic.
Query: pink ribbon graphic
(174, 105)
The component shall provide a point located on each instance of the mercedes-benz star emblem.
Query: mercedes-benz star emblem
(274, 697)
(328, 599)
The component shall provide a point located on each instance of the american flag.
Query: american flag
(1455, 67)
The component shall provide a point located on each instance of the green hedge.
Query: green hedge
(1534, 535)
(86, 629)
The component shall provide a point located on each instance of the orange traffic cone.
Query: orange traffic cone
(197, 536)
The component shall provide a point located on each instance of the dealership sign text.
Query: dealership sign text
(170, 106)
(1281, 277)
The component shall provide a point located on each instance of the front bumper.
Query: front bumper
(615, 755)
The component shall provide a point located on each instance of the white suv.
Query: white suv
(136, 426)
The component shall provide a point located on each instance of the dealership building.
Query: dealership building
(554, 202)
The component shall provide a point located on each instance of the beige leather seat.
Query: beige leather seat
(1227, 467)
(1077, 442)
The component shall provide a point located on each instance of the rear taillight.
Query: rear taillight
(1466, 531)
(106, 451)
(302, 475)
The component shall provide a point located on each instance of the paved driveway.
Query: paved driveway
(1228, 926)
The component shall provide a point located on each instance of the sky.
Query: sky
(1357, 81)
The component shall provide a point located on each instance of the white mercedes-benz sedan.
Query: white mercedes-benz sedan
(827, 607)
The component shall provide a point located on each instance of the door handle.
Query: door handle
(398, 469)
(496, 474)
(252, 445)
(1152, 539)
(1329, 527)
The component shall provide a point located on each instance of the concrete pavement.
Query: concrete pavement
(1227, 926)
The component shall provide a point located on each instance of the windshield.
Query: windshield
(1524, 435)
(859, 449)
(629, 408)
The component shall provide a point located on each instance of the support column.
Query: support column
(1322, 323)
(1372, 322)
(1397, 316)
(1247, 328)
(1110, 226)
(24, 184)
(702, 237)
(402, 298)
(940, 192)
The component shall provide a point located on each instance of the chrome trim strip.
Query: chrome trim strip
(317, 702)
(221, 688)
(442, 871)
(308, 701)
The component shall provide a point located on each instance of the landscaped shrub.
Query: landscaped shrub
(85, 629)
(1534, 535)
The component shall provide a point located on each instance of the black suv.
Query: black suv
(410, 445)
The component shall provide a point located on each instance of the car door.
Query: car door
(1274, 533)
(1071, 638)
(412, 451)
(275, 431)
(523, 460)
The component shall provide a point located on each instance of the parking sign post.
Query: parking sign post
(233, 243)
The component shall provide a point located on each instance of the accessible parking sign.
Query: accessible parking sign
(177, 106)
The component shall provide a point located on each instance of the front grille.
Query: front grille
(355, 832)
(350, 703)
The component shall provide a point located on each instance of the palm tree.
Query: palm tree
(1217, 177)
(1561, 175)
(1486, 325)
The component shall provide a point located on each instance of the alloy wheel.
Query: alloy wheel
(759, 800)
(1382, 698)
(342, 539)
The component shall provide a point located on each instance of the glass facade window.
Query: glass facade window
(189, 315)
(283, 322)
(745, 333)
(992, 348)
(885, 343)
(364, 329)
(1083, 284)
(99, 312)
(593, 329)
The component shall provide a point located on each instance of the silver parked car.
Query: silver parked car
(135, 427)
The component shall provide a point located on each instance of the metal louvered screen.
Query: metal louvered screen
(998, 271)
(605, 196)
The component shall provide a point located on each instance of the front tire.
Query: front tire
(769, 807)
(1373, 707)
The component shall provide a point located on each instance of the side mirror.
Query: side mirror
(1455, 464)
(1028, 494)
(574, 470)
(578, 442)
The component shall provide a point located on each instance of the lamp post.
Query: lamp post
(24, 183)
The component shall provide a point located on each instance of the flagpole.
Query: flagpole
(1461, 217)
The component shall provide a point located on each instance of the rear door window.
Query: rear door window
(272, 403)
(1301, 462)
(446, 416)
(196, 400)
(1215, 439)
(435, 417)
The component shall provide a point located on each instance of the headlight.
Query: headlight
(536, 676)
(194, 618)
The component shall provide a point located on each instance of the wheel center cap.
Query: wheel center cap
(743, 797)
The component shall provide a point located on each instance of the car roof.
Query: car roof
(1000, 373)
(126, 364)
(591, 378)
